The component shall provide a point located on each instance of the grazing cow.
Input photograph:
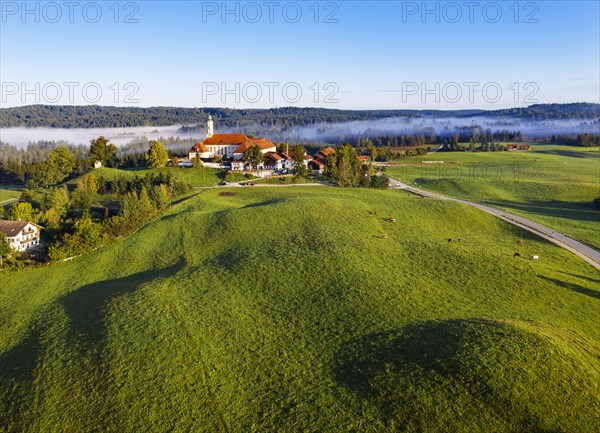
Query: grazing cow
(534, 257)
(458, 240)
(517, 255)
(449, 239)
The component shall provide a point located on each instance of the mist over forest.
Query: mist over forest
(122, 126)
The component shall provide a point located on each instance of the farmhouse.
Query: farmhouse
(318, 165)
(21, 235)
(325, 153)
(273, 161)
(524, 147)
(289, 161)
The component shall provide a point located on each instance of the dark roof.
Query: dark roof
(319, 162)
(12, 228)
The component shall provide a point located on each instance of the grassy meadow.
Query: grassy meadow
(196, 177)
(553, 185)
(9, 193)
(305, 309)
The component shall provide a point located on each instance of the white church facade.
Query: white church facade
(227, 146)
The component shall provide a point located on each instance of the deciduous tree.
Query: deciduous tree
(253, 155)
(4, 248)
(102, 150)
(21, 211)
(299, 165)
(157, 156)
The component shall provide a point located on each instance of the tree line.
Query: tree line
(90, 211)
(92, 116)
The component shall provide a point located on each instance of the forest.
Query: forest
(103, 117)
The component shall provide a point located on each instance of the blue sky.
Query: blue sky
(371, 55)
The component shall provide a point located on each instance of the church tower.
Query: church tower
(209, 127)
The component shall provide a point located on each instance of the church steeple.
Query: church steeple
(209, 127)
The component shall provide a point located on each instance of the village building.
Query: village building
(325, 153)
(289, 161)
(318, 162)
(273, 161)
(318, 165)
(238, 165)
(21, 235)
(227, 146)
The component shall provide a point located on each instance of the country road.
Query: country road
(588, 254)
(10, 200)
(246, 184)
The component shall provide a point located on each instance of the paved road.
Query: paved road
(245, 183)
(588, 254)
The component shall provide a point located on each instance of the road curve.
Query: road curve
(588, 254)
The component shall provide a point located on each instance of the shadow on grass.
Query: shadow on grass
(571, 153)
(560, 209)
(269, 202)
(583, 277)
(573, 287)
(85, 309)
(16, 383)
(408, 373)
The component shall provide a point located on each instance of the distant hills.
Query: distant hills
(92, 116)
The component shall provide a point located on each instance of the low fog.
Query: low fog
(20, 137)
(444, 126)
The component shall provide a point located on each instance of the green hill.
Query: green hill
(287, 309)
(553, 185)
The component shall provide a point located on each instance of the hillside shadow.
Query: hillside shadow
(429, 346)
(583, 277)
(399, 371)
(573, 287)
(17, 366)
(85, 309)
(559, 209)
(264, 203)
(570, 153)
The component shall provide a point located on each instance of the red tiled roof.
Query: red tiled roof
(263, 143)
(200, 147)
(226, 139)
(273, 156)
(318, 162)
(326, 152)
